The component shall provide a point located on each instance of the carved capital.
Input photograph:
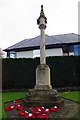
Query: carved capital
(42, 26)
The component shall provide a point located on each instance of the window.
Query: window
(77, 50)
(12, 54)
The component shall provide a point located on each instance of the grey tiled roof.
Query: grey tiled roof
(50, 40)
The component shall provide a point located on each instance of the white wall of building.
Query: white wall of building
(49, 52)
(24, 54)
(71, 53)
(36, 53)
(54, 52)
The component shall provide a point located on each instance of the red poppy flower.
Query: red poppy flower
(30, 115)
(43, 108)
(37, 113)
(46, 111)
(18, 107)
(22, 113)
(54, 109)
(40, 109)
(17, 101)
(9, 108)
(37, 107)
(31, 109)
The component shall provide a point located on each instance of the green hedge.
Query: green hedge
(20, 73)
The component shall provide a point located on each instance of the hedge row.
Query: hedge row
(20, 73)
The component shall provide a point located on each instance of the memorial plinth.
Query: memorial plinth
(43, 94)
(43, 77)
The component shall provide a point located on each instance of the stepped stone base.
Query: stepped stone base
(47, 104)
(43, 98)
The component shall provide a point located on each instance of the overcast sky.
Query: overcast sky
(18, 19)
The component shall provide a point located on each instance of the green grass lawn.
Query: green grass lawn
(10, 96)
(75, 96)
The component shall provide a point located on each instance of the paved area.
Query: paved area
(70, 110)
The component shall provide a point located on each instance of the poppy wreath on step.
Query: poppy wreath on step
(31, 112)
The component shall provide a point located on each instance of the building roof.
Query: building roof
(51, 41)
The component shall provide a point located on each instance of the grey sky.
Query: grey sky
(18, 19)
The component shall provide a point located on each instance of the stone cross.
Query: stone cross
(41, 21)
(42, 71)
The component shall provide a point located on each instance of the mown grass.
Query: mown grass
(10, 96)
(75, 96)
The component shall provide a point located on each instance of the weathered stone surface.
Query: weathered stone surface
(43, 87)
(43, 95)
(43, 77)
(47, 104)
(43, 92)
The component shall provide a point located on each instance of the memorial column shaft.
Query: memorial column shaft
(42, 48)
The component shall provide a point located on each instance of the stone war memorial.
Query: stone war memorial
(43, 95)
